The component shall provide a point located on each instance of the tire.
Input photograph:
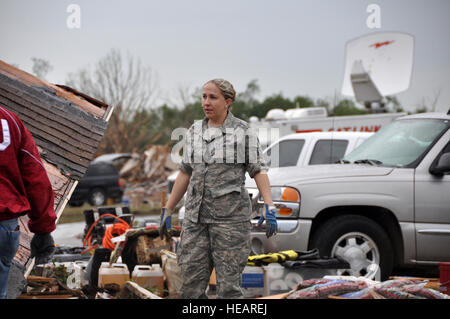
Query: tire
(76, 203)
(97, 197)
(358, 240)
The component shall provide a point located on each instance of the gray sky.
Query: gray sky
(290, 46)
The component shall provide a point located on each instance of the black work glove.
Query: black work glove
(42, 248)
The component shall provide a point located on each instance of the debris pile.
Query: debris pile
(348, 287)
(49, 288)
(145, 175)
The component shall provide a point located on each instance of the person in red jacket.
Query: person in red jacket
(25, 189)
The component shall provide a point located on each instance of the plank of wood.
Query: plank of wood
(137, 290)
(41, 279)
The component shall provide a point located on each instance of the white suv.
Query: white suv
(387, 202)
(302, 149)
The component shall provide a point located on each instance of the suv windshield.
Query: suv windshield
(400, 143)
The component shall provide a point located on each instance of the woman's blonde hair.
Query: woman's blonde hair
(225, 87)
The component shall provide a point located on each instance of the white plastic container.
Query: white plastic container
(150, 277)
(113, 274)
(252, 282)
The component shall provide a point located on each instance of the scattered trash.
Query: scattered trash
(331, 288)
(49, 288)
(404, 288)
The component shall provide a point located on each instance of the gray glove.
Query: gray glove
(42, 248)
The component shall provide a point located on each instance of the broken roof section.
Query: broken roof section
(68, 125)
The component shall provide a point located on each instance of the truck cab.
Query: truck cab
(302, 149)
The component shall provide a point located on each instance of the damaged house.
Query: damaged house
(67, 126)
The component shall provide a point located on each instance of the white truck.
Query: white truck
(387, 202)
(302, 149)
(315, 119)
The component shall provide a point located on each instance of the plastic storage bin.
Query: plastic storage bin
(112, 274)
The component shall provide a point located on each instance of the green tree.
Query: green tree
(303, 101)
(323, 103)
(275, 101)
(347, 107)
(245, 101)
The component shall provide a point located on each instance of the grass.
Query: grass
(75, 214)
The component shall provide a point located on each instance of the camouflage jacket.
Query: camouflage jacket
(217, 159)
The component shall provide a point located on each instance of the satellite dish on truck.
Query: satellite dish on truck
(378, 65)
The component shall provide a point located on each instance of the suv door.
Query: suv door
(432, 207)
(328, 151)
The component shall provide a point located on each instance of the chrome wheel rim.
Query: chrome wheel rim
(360, 251)
(98, 198)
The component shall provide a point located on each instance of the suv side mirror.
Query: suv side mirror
(442, 166)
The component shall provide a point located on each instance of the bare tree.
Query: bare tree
(124, 83)
(181, 96)
(41, 67)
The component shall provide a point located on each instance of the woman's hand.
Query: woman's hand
(165, 223)
(271, 221)
(269, 210)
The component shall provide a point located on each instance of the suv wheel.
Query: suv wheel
(358, 240)
(97, 197)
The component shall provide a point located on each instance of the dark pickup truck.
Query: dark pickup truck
(100, 182)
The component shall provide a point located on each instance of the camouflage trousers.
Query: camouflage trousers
(225, 246)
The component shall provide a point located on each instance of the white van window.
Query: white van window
(285, 153)
(328, 151)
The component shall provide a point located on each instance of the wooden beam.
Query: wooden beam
(138, 291)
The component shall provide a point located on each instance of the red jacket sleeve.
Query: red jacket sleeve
(37, 185)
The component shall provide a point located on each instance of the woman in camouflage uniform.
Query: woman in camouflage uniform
(218, 151)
